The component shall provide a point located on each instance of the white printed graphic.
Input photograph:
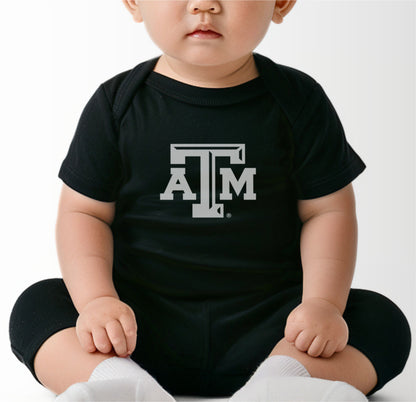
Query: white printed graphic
(207, 154)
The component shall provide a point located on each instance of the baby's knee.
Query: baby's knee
(383, 314)
(380, 329)
(38, 289)
(40, 309)
(32, 298)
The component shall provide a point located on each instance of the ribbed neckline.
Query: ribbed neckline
(206, 96)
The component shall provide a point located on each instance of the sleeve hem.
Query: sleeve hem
(333, 183)
(78, 183)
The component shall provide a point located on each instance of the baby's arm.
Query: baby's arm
(85, 246)
(85, 251)
(328, 252)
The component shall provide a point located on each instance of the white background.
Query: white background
(54, 56)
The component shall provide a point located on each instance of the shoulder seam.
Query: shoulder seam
(121, 89)
(307, 99)
(290, 87)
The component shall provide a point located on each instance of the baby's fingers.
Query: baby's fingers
(292, 330)
(117, 338)
(101, 341)
(330, 349)
(317, 346)
(130, 330)
(86, 341)
(304, 340)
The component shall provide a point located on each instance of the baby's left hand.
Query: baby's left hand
(317, 327)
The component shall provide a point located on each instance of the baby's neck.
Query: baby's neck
(227, 75)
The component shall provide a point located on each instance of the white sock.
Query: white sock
(118, 367)
(117, 379)
(278, 366)
(284, 379)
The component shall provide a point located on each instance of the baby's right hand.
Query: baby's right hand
(107, 323)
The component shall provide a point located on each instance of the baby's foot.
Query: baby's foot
(297, 389)
(116, 390)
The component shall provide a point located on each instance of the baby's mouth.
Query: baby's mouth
(204, 34)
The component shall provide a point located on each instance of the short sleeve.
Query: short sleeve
(324, 162)
(92, 165)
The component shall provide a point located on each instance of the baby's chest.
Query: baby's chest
(196, 158)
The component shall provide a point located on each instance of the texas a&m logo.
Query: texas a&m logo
(208, 208)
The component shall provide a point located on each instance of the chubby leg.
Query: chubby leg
(43, 336)
(375, 322)
(61, 362)
(368, 360)
(366, 364)
(62, 366)
(350, 365)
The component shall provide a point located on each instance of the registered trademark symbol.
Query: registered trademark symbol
(228, 215)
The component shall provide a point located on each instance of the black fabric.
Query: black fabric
(211, 347)
(39, 312)
(206, 180)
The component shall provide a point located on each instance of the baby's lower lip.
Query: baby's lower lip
(205, 35)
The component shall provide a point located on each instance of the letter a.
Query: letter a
(177, 182)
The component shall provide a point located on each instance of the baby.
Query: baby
(207, 233)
